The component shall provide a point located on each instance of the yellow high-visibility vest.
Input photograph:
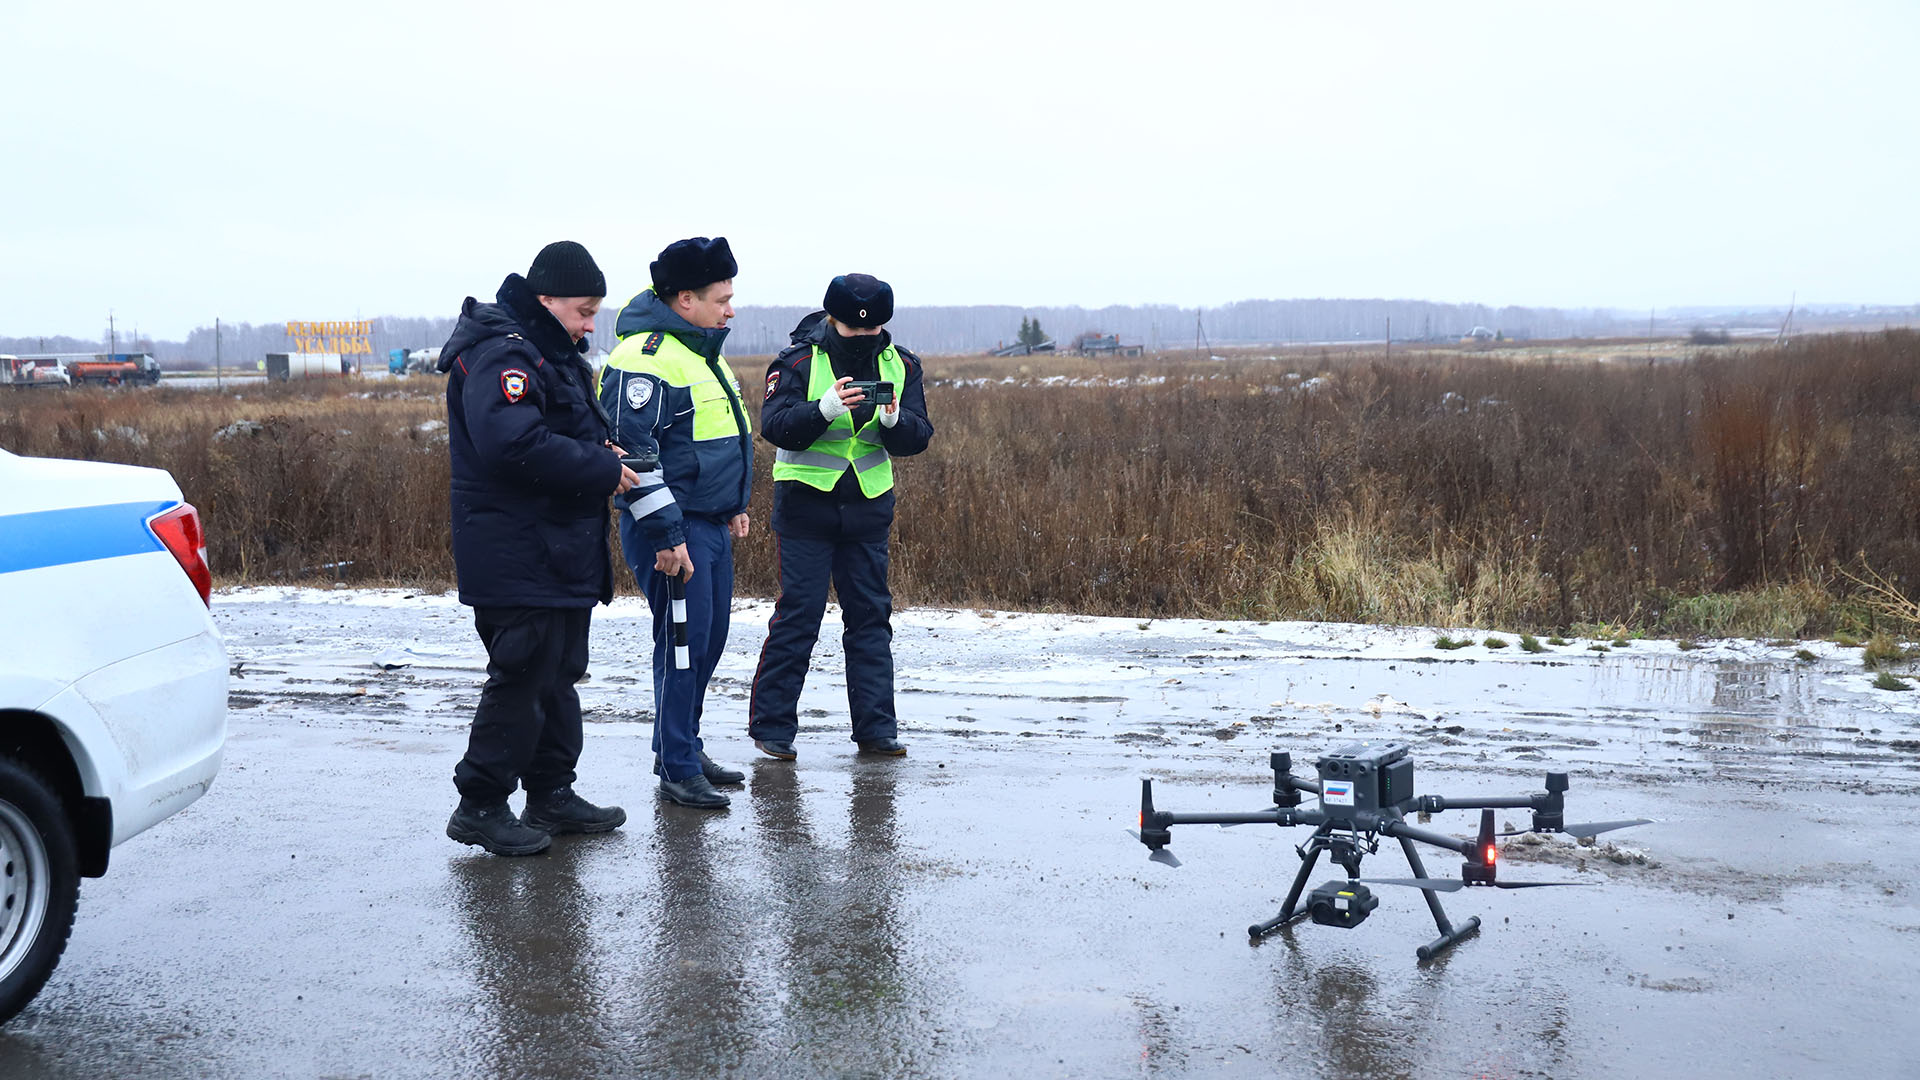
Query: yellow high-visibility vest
(840, 447)
(716, 406)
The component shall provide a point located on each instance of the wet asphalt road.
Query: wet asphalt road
(974, 908)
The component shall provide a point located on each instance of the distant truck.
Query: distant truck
(33, 371)
(413, 362)
(289, 367)
(115, 369)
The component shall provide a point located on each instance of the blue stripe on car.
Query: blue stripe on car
(79, 534)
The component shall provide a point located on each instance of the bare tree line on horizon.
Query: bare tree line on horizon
(938, 330)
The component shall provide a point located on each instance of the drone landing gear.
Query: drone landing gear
(1449, 935)
(1290, 911)
(1349, 858)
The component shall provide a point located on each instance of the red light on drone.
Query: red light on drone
(1492, 853)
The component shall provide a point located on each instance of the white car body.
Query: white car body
(107, 639)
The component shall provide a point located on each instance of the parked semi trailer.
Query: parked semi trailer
(31, 371)
(288, 367)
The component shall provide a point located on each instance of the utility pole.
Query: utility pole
(1389, 337)
(113, 339)
(217, 384)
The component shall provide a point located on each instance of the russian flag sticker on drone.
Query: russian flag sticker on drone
(1337, 792)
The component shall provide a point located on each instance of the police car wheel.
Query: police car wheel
(39, 884)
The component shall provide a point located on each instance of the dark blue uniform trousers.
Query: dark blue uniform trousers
(854, 561)
(680, 696)
(526, 729)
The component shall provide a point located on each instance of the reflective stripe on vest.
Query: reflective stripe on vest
(716, 410)
(840, 446)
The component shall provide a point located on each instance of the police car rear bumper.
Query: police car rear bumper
(163, 715)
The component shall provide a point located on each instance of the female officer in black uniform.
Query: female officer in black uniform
(833, 507)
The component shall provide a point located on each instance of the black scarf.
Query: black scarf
(856, 356)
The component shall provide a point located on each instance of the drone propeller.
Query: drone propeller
(1160, 855)
(1455, 884)
(1586, 831)
(1437, 884)
(1594, 828)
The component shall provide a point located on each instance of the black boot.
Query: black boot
(888, 747)
(561, 811)
(776, 749)
(694, 791)
(714, 772)
(493, 826)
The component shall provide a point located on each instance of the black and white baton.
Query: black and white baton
(677, 592)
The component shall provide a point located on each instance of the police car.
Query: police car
(113, 687)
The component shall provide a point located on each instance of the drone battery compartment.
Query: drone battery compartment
(1366, 776)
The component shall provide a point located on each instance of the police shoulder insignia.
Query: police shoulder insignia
(652, 344)
(513, 383)
(773, 383)
(639, 392)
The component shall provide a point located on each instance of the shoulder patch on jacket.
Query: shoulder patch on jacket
(639, 392)
(652, 344)
(513, 383)
(773, 383)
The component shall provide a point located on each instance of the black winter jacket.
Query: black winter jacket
(531, 471)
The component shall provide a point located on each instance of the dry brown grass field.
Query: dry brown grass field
(1729, 490)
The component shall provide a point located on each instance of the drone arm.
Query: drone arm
(1282, 816)
(1433, 804)
(1401, 829)
(1548, 806)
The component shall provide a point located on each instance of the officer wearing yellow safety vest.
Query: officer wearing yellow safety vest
(833, 507)
(670, 392)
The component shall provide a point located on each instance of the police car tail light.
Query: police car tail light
(179, 530)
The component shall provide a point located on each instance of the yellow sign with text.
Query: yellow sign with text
(345, 338)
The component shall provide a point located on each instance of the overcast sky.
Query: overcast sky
(263, 162)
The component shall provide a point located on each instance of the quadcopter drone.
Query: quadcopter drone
(1366, 792)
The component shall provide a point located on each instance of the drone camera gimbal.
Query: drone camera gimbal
(1366, 792)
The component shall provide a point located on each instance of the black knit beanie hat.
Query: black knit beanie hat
(563, 268)
(860, 300)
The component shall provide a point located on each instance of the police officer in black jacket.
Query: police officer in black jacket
(833, 508)
(532, 470)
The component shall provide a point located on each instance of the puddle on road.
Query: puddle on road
(1167, 684)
